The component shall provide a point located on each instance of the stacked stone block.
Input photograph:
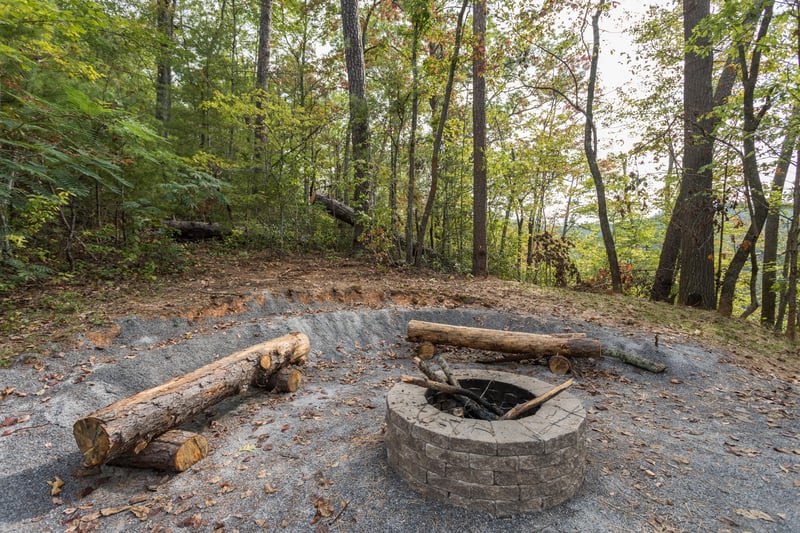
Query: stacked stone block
(501, 467)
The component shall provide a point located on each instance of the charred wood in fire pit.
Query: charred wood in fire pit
(479, 406)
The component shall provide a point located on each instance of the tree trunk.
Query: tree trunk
(771, 226)
(590, 147)
(262, 77)
(359, 114)
(792, 245)
(437, 141)
(165, 12)
(173, 451)
(696, 286)
(530, 345)
(480, 253)
(662, 290)
(131, 423)
(412, 146)
(758, 201)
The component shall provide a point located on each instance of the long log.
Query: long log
(194, 230)
(335, 208)
(174, 451)
(131, 423)
(523, 345)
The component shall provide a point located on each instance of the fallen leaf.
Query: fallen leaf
(194, 521)
(269, 489)
(247, 448)
(324, 510)
(55, 486)
(754, 514)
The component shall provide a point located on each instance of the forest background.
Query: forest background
(461, 136)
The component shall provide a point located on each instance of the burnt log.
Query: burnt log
(521, 345)
(192, 230)
(131, 423)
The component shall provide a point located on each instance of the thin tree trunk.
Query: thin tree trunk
(791, 252)
(752, 119)
(262, 80)
(771, 226)
(165, 11)
(437, 141)
(412, 147)
(590, 147)
(480, 254)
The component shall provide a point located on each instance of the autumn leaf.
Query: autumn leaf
(247, 448)
(269, 489)
(324, 510)
(55, 486)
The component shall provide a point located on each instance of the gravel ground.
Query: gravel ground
(705, 446)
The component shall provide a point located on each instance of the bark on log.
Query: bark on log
(285, 380)
(131, 423)
(523, 408)
(174, 451)
(192, 230)
(335, 208)
(522, 345)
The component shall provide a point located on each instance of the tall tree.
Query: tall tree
(772, 223)
(749, 71)
(590, 147)
(662, 289)
(438, 138)
(480, 254)
(696, 285)
(420, 15)
(262, 75)
(165, 10)
(359, 114)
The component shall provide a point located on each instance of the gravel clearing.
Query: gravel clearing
(705, 446)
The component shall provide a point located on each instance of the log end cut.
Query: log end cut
(93, 441)
(191, 451)
(285, 380)
(174, 451)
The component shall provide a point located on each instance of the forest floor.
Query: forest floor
(712, 444)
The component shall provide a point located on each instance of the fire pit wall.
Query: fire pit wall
(501, 467)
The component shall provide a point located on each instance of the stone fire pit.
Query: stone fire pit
(501, 467)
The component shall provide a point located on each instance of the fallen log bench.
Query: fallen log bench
(557, 348)
(522, 345)
(130, 424)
